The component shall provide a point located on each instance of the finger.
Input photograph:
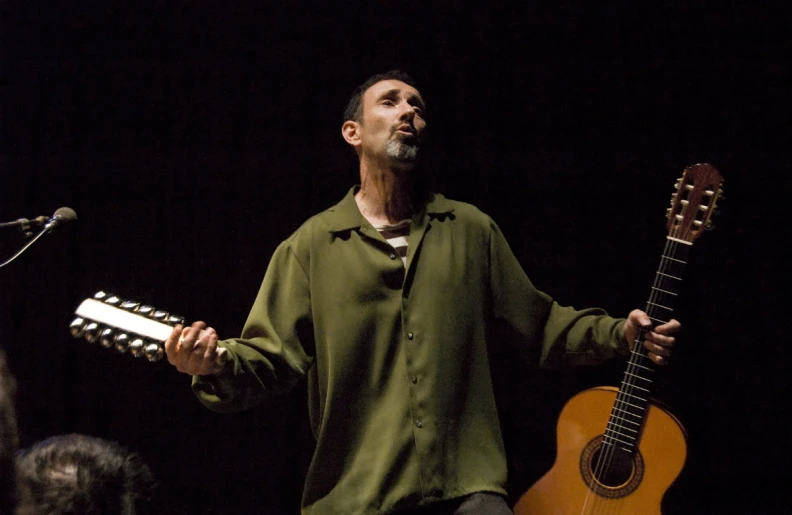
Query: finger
(660, 339)
(210, 363)
(640, 319)
(656, 349)
(211, 347)
(660, 360)
(671, 327)
(172, 342)
(191, 335)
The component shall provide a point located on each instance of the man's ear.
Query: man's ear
(351, 133)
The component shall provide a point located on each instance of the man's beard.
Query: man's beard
(401, 151)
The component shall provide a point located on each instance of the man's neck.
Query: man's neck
(385, 195)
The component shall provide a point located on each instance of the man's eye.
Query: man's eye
(387, 102)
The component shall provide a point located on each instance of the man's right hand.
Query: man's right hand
(193, 350)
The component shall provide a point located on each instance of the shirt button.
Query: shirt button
(393, 256)
(418, 424)
(414, 379)
(410, 336)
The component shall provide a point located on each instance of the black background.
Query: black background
(191, 138)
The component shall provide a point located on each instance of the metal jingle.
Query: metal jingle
(160, 315)
(129, 305)
(101, 295)
(107, 337)
(77, 326)
(91, 332)
(153, 352)
(136, 347)
(175, 320)
(112, 300)
(146, 310)
(121, 342)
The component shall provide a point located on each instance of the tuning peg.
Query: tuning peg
(121, 342)
(709, 226)
(77, 326)
(153, 352)
(106, 338)
(136, 346)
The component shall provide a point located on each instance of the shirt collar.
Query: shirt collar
(345, 215)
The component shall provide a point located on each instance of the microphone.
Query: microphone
(24, 223)
(61, 215)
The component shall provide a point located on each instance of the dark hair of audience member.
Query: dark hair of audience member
(77, 474)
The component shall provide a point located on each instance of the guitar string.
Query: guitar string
(616, 419)
(670, 273)
(638, 359)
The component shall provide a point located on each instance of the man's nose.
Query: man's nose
(407, 112)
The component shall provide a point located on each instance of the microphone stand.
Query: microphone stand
(63, 214)
(23, 249)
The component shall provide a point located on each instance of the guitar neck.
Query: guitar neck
(691, 207)
(629, 412)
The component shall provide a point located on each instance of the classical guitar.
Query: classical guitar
(617, 450)
(126, 326)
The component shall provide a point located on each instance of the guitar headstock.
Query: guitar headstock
(124, 325)
(697, 193)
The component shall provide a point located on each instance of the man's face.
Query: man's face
(393, 121)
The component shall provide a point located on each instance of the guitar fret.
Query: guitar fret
(660, 306)
(613, 431)
(633, 405)
(670, 276)
(639, 377)
(616, 439)
(635, 386)
(658, 320)
(674, 259)
(614, 424)
(639, 365)
(631, 414)
(633, 396)
(665, 291)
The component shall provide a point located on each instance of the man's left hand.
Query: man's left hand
(658, 341)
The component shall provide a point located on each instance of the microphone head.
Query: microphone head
(65, 214)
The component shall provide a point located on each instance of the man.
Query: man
(395, 351)
(77, 474)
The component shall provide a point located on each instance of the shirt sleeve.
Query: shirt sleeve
(275, 349)
(545, 333)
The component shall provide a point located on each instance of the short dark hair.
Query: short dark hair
(9, 439)
(79, 474)
(354, 108)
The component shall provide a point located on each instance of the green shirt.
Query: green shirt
(400, 396)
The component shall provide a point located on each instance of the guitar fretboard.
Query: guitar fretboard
(629, 411)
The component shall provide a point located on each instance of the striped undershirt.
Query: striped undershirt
(396, 235)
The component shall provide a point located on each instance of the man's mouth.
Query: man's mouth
(405, 129)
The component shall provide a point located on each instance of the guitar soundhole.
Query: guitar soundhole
(610, 472)
(612, 468)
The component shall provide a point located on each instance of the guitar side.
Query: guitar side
(564, 490)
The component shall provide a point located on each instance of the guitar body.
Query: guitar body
(565, 490)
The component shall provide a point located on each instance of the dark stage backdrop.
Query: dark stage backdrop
(192, 138)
